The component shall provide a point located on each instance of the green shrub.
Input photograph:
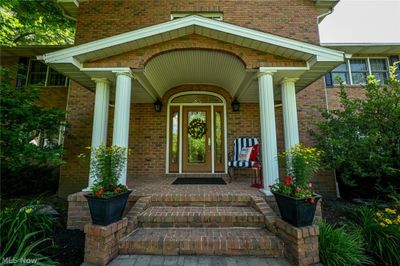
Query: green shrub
(27, 167)
(380, 230)
(24, 231)
(338, 246)
(361, 139)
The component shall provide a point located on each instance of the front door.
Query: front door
(196, 137)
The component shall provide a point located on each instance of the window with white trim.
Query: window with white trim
(211, 15)
(35, 72)
(356, 70)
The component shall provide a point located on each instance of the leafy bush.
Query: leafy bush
(361, 139)
(380, 230)
(338, 246)
(25, 166)
(24, 231)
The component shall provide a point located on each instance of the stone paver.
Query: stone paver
(150, 260)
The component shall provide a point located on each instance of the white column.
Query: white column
(268, 130)
(290, 123)
(100, 117)
(121, 115)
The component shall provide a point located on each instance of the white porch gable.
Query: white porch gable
(319, 60)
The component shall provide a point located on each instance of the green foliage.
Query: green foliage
(338, 246)
(22, 121)
(300, 163)
(361, 140)
(106, 167)
(24, 232)
(34, 22)
(380, 230)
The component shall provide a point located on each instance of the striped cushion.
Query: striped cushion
(243, 164)
(240, 143)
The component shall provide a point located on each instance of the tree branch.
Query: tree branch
(22, 36)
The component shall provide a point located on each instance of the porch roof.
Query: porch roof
(318, 59)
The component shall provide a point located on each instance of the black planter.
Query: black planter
(105, 211)
(297, 212)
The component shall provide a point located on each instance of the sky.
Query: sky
(355, 21)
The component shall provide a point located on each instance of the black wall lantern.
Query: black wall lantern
(158, 106)
(235, 105)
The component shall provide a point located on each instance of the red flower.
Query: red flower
(312, 201)
(288, 181)
(297, 190)
(309, 184)
(99, 192)
(117, 189)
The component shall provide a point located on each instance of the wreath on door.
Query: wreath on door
(197, 128)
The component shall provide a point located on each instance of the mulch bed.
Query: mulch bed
(70, 247)
(334, 210)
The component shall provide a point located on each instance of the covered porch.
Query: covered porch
(144, 66)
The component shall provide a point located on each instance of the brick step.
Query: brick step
(202, 241)
(200, 200)
(158, 216)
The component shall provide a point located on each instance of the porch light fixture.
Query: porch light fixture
(158, 106)
(235, 105)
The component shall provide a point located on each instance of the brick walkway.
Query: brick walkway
(143, 260)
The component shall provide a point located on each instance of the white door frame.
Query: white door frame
(180, 128)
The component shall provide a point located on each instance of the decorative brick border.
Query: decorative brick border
(140, 205)
(102, 242)
(261, 205)
(301, 244)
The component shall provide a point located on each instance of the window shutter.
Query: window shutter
(393, 59)
(328, 80)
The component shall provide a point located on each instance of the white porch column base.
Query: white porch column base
(100, 119)
(289, 109)
(121, 115)
(268, 131)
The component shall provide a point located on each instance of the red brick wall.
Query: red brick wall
(73, 175)
(296, 19)
(54, 97)
(9, 61)
(333, 95)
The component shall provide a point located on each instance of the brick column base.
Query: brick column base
(301, 244)
(101, 242)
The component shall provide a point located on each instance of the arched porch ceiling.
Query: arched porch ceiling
(180, 67)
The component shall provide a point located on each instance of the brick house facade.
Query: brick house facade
(194, 58)
(293, 20)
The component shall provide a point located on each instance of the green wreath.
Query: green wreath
(197, 128)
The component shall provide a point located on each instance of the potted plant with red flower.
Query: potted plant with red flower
(295, 196)
(108, 198)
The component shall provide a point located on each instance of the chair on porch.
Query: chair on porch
(253, 163)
